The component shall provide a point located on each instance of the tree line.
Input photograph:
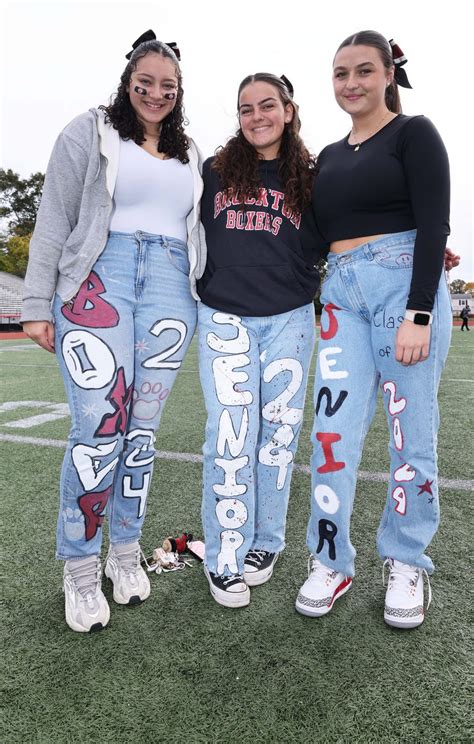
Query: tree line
(19, 202)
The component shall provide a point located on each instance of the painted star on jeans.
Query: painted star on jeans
(124, 523)
(142, 346)
(89, 410)
(425, 487)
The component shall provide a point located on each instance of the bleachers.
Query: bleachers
(11, 290)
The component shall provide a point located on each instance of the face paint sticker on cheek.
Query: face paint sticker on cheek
(170, 96)
(140, 91)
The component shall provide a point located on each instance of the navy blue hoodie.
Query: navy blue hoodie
(260, 255)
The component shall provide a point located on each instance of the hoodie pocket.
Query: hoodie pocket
(84, 244)
(253, 290)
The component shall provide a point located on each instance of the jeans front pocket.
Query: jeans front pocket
(394, 257)
(177, 253)
(328, 282)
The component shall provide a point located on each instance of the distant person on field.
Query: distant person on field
(464, 314)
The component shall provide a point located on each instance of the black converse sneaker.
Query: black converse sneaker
(259, 566)
(230, 591)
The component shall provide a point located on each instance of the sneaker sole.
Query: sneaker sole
(231, 599)
(256, 578)
(120, 599)
(408, 624)
(320, 611)
(95, 627)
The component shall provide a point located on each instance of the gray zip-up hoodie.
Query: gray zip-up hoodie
(74, 215)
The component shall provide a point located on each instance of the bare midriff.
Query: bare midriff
(339, 246)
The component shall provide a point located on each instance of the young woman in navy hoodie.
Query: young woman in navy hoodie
(256, 334)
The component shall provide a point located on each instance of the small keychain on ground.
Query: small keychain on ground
(185, 543)
(167, 560)
(162, 560)
(177, 544)
(170, 557)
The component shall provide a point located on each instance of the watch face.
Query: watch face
(421, 319)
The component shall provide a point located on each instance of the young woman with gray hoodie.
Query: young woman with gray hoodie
(110, 288)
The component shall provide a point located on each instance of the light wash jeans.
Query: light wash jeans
(254, 373)
(364, 297)
(120, 343)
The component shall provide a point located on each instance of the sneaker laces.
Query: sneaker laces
(129, 560)
(316, 568)
(144, 560)
(405, 574)
(255, 556)
(235, 577)
(86, 576)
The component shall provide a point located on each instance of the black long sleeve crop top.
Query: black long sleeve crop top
(397, 180)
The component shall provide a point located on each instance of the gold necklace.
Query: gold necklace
(372, 132)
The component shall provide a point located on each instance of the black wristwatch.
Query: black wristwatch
(419, 317)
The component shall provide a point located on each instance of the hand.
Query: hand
(412, 343)
(451, 260)
(41, 332)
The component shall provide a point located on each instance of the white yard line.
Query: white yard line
(195, 371)
(445, 483)
(18, 347)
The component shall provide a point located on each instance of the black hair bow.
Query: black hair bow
(288, 84)
(151, 36)
(399, 59)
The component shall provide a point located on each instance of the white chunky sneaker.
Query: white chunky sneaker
(258, 566)
(404, 604)
(86, 607)
(229, 591)
(321, 589)
(131, 584)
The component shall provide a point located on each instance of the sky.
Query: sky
(60, 58)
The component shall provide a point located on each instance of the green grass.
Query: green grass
(180, 667)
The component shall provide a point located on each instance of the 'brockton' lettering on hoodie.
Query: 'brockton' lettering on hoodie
(245, 219)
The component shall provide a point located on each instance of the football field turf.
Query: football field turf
(182, 668)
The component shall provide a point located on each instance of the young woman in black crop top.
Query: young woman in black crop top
(256, 334)
(381, 203)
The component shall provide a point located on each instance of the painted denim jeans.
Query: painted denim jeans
(120, 343)
(364, 297)
(254, 373)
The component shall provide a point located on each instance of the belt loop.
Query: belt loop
(368, 252)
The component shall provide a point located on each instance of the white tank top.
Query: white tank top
(151, 195)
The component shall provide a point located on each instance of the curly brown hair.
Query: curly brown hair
(120, 113)
(237, 162)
